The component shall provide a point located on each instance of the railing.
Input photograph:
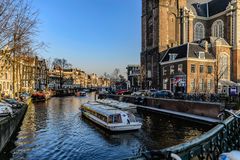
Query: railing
(224, 137)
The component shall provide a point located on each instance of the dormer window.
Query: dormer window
(198, 5)
(172, 56)
(201, 55)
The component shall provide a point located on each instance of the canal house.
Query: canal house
(195, 67)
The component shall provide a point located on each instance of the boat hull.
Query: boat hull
(114, 128)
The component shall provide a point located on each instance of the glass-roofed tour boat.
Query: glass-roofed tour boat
(110, 118)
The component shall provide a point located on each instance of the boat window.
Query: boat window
(117, 118)
(110, 119)
(131, 118)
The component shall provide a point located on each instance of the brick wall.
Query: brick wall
(199, 108)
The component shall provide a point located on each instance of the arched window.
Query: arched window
(150, 32)
(172, 28)
(223, 66)
(199, 31)
(218, 29)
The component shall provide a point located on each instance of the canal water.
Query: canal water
(55, 130)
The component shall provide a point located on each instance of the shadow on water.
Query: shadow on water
(56, 130)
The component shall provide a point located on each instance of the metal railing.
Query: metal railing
(224, 137)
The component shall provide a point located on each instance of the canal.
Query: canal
(55, 130)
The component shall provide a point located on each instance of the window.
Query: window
(209, 69)
(150, 32)
(192, 85)
(201, 85)
(165, 83)
(201, 55)
(201, 68)
(209, 84)
(193, 68)
(180, 67)
(149, 74)
(218, 29)
(199, 31)
(164, 71)
(172, 56)
(171, 69)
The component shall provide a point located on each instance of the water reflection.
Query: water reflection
(56, 130)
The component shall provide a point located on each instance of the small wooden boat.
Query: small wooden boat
(110, 118)
(38, 97)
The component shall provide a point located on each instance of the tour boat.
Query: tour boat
(117, 104)
(110, 118)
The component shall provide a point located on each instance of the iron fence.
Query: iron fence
(224, 137)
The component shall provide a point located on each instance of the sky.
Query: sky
(94, 35)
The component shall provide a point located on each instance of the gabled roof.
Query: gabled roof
(200, 9)
(181, 52)
(207, 8)
(187, 50)
(217, 6)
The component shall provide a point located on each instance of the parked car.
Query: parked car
(139, 93)
(5, 110)
(123, 92)
(13, 102)
(163, 94)
(151, 92)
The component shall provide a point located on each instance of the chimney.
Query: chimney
(206, 46)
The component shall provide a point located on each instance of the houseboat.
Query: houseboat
(110, 118)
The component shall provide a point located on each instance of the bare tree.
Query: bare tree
(18, 29)
(220, 70)
(60, 65)
(115, 74)
(106, 75)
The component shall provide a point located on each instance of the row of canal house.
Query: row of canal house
(76, 78)
(22, 73)
(196, 67)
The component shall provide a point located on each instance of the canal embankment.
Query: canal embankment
(10, 124)
(206, 111)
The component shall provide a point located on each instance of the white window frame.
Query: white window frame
(199, 31)
(172, 56)
(218, 28)
(192, 84)
(180, 67)
(171, 69)
(201, 55)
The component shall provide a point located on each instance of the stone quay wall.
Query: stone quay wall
(9, 125)
(207, 109)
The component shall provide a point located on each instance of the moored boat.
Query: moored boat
(110, 118)
(5, 110)
(39, 97)
(117, 104)
(80, 94)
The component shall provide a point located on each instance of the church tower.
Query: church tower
(161, 29)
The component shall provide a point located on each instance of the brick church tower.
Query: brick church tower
(161, 29)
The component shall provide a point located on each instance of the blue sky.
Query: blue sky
(94, 35)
